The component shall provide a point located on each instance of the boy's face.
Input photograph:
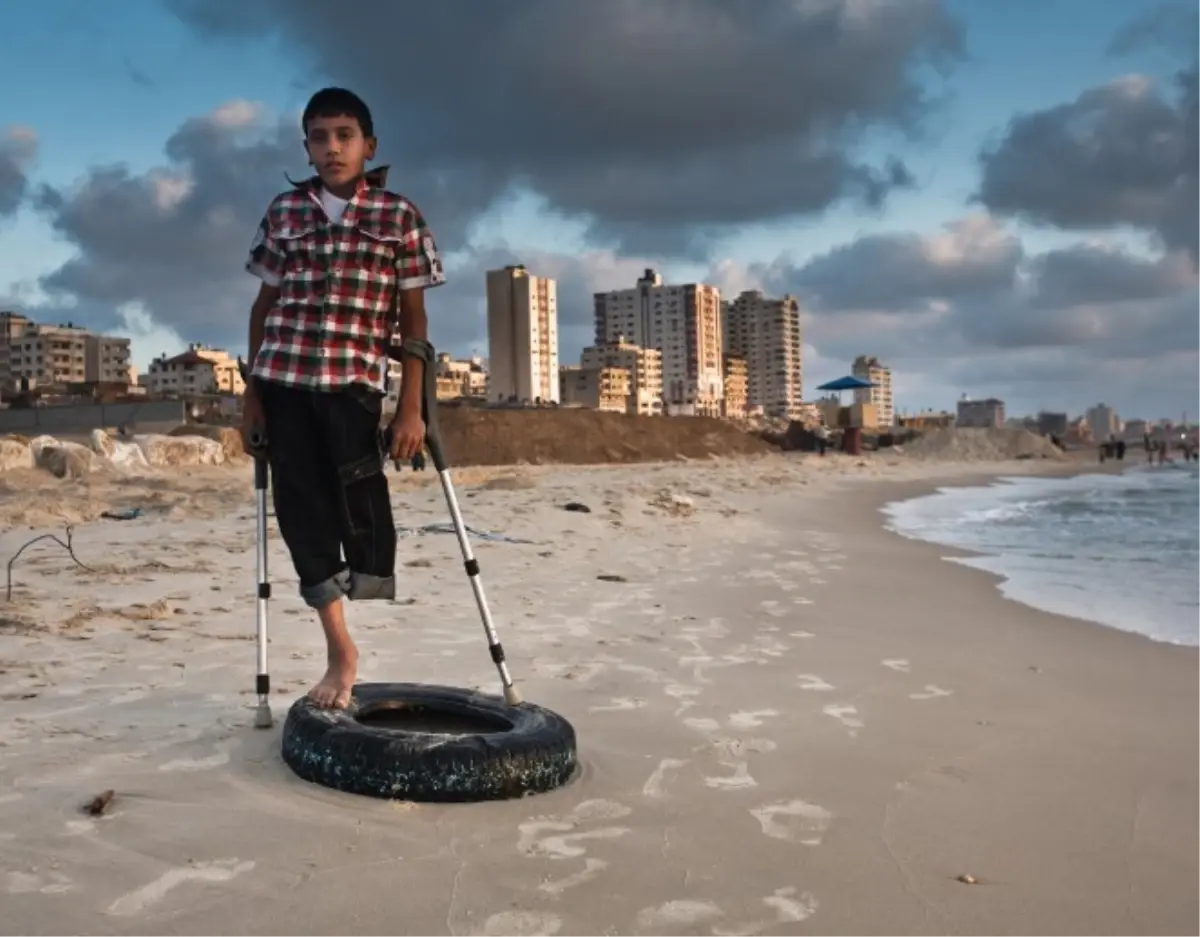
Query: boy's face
(338, 150)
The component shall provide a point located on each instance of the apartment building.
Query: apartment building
(226, 373)
(1052, 423)
(643, 364)
(684, 324)
(522, 315)
(185, 374)
(1103, 421)
(980, 414)
(737, 383)
(468, 376)
(13, 326)
(766, 332)
(599, 388)
(33, 354)
(870, 368)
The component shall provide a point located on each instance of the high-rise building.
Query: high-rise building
(1103, 421)
(766, 332)
(522, 314)
(684, 324)
(870, 368)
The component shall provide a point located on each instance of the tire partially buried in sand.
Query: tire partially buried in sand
(462, 745)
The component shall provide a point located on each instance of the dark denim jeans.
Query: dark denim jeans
(329, 491)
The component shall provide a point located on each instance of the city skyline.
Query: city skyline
(967, 206)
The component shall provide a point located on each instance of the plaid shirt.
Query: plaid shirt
(337, 283)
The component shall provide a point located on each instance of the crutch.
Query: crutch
(262, 679)
(423, 350)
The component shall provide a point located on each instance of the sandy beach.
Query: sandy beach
(790, 720)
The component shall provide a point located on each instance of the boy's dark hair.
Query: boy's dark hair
(338, 102)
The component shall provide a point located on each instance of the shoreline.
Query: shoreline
(952, 554)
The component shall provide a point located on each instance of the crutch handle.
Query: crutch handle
(419, 348)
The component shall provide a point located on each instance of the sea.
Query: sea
(1118, 549)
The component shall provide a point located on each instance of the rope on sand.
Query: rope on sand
(65, 544)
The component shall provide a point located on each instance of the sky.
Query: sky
(997, 199)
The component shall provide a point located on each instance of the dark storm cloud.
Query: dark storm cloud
(1124, 153)
(648, 117)
(18, 148)
(891, 271)
(1089, 274)
(175, 238)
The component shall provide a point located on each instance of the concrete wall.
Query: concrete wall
(83, 418)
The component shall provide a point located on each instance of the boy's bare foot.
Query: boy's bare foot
(333, 692)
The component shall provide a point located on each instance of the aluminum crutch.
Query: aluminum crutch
(417, 348)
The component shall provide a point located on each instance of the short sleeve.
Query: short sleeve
(266, 259)
(418, 263)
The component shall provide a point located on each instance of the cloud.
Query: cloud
(173, 239)
(1124, 153)
(971, 257)
(169, 244)
(659, 121)
(969, 308)
(18, 150)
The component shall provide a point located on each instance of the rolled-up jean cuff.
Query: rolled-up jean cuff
(364, 587)
(333, 588)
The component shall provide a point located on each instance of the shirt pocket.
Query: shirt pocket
(376, 249)
(302, 247)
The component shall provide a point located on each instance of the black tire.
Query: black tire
(531, 750)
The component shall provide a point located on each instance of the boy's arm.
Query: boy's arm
(413, 323)
(265, 261)
(418, 268)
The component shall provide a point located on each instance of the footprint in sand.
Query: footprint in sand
(522, 924)
(219, 870)
(846, 714)
(931, 692)
(216, 760)
(685, 694)
(680, 913)
(654, 784)
(689, 915)
(751, 719)
(732, 755)
(51, 882)
(899, 664)
(794, 821)
(619, 704)
(561, 837)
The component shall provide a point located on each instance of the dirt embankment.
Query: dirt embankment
(586, 437)
(982, 445)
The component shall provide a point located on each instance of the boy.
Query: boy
(343, 262)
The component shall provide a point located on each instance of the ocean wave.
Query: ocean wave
(1119, 549)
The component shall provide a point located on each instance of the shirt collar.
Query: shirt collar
(371, 179)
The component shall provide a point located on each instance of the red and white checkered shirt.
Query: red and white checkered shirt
(337, 282)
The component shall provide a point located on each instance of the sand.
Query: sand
(790, 721)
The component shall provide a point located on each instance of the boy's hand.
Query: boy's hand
(408, 436)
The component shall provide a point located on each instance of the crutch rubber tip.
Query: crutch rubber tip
(262, 717)
(511, 696)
